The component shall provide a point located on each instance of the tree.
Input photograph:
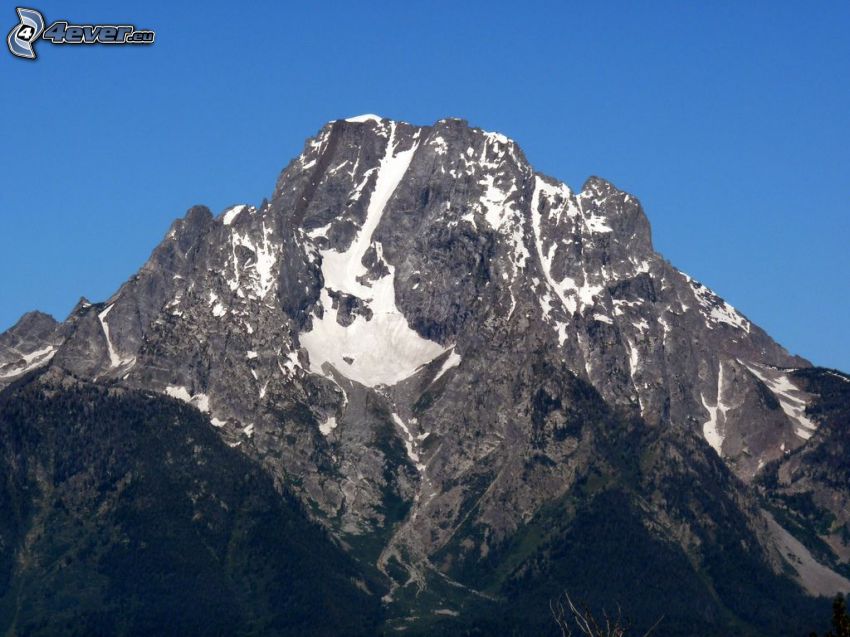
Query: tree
(840, 619)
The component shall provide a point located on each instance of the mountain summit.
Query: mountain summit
(466, 372)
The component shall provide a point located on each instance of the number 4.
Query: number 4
(25, 33)
(56, 32)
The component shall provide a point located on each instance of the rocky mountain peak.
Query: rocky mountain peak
(430, 342)
(28, 345)
(388, 246)
(35, 321)
(79, 306)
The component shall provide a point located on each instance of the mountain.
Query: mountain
(124, 513)
(486, 388)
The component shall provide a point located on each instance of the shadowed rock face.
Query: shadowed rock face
(413, 330)
(808, 488)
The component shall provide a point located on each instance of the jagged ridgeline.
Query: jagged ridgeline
(428, 388)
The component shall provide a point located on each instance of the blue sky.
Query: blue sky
(729, 120)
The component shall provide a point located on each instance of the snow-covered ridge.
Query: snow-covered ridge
(838, 376)
(230, 214)
(360, 119)
(715, 309)
(492, 137)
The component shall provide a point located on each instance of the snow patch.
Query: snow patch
(328, 426)
(199, 401)
(384, 349)
(231, 213)
(319, 232)
(619, 304)
(792, 399)
(33, 360)
(634, 359)
(453, 360)
(368, 117)
(497, 138)
(839, 376)
(711, 429)
(546, 256)
(575, 296)
(410, 444)
(597, 224)
(261, 271)
(439, 144)
(290, 364)
(114, 359)
(641, 325)
(715, 309)
(502, 215)
(39, 355)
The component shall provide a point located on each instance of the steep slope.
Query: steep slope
(123, 513)
(808, 488)
(417, 335)
(617, 512)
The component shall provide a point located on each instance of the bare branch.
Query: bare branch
(654, 626)
(559, 614)
(565, 613)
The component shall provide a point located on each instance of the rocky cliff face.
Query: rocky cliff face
(415, 333)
